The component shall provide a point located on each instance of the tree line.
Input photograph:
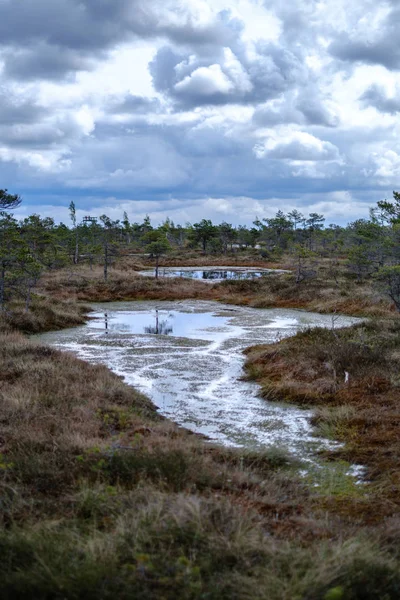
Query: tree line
(369, 248)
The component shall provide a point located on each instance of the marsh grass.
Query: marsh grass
(123, 284)
(351, 377)
(336, 479)
(189, 548)
(43, 314)
(334, 423)
(320, 294)
(102, 498)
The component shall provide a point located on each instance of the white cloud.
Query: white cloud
(388, 165)
(236, 73)
(250, 95)
(296, 146)
(205, 81)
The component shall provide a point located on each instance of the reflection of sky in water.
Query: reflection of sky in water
(209, 274)
(214, 274)
(187, 356)
(160, 322)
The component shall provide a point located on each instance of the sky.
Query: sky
(192, 109)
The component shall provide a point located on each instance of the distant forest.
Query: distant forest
(369, 248)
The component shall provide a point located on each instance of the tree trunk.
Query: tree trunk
(106, 260)
(157, 260)
(28, 298)
(76, 256)
(2, 284)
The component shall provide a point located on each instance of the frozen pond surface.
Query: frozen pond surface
(212, 274)
(187, 356)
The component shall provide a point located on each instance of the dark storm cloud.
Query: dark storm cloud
(275, 71)
(29, 126)
(92, 24)
(376, 97)
(162, 68)
(66, 23)
(151, 160)
(26, 124)
(49, 39)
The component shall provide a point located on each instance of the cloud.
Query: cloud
(44, 61)
(299, 18)
(206, 82)
(47, 132)
(49, 40)
(376, 97)
(297, 146)
(387, 165)
(193, 105)
(215, 83)
(131, 104)
(373, 39)
(16, 110)
(316, 110)
(226, 76)
(303, 108)
(380, 52)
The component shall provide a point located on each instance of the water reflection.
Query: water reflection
(157, 321)
(192, 365)
(216, 275)
(160, 327)
(211, 274)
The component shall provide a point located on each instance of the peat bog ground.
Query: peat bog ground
(102, 498)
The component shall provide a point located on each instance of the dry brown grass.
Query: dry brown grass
(239, 259)
(43, 314)
(320, 294)
(102, 498)
(55, 407)
(82, 450)
(361, 410)
(188, 257)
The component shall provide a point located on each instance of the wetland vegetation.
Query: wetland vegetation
(103, 497)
